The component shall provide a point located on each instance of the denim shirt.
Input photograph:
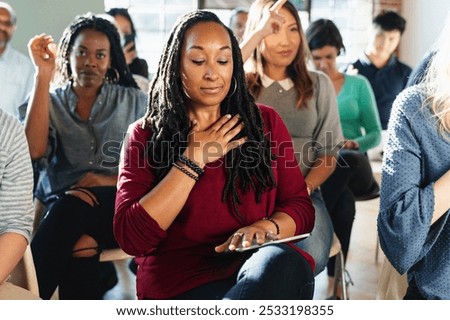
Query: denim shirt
(416, 155)
(75, 146)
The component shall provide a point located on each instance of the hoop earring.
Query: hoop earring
(114, 78)
(234, 89)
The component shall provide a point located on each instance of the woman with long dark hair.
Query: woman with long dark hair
(75, 130)
(206, 173)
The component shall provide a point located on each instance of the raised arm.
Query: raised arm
(42, 52)
(269, 24)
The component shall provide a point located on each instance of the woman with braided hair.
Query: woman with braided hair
(207, 171)
(76, 130)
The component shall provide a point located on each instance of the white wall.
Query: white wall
(424, 21)
(47, 16)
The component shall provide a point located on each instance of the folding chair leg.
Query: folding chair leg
(339, 276)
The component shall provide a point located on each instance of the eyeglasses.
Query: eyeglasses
(6, 23)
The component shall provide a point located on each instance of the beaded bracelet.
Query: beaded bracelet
(186, 172)
(192, 165)
(274, 222)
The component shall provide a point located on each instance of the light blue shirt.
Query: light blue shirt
(76, 147)
(16, 80)
(415, 156)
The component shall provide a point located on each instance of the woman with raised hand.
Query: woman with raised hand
(76, 129)
(277, 53)
(208, 172)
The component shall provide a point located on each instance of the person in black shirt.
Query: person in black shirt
(387, 75)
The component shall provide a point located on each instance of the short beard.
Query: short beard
(3, 44)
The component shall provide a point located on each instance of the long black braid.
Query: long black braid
(247, 166)
(90, 21)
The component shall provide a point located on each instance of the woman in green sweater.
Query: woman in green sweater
(361, 128)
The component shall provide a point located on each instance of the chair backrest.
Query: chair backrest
(24, 275)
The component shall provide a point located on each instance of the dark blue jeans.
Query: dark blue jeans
(318, 244)
(65, 221)
(274, 272)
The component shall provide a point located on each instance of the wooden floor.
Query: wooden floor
(361, 264)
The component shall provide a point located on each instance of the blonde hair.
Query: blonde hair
(437, 82)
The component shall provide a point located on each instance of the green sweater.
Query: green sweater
(358, 112)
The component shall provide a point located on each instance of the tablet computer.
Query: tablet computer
(256, 246)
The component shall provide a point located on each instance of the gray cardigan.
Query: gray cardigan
(316, 128)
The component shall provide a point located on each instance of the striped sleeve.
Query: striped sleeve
(16, 179)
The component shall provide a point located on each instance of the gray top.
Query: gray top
(76, 147)
(415, 156)
(316, 128)
(16, 179)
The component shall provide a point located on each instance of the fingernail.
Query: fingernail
(228, 116)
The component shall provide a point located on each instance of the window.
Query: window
(153, 20)
(301, 5)
(353, 30)
(223, 8)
